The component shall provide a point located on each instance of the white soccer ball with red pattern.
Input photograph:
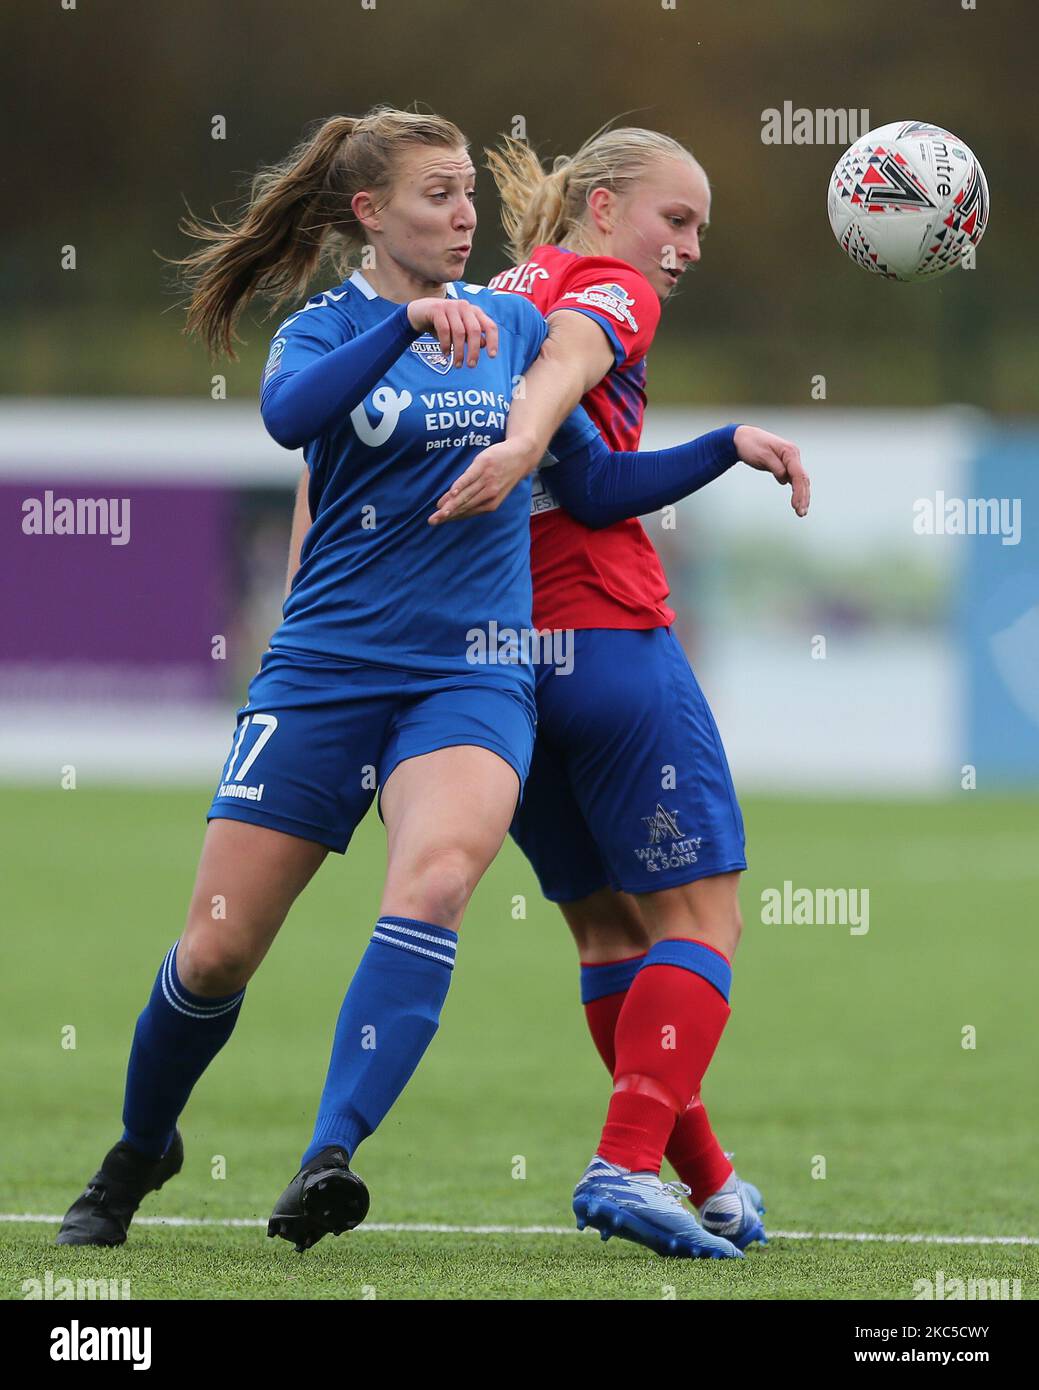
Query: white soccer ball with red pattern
(909, 201)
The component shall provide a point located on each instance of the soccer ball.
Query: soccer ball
(908, 201)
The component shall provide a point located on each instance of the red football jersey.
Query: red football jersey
(612, 577)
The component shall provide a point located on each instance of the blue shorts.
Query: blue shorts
(317, 738)
(629, 787)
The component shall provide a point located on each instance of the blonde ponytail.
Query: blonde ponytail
(539, 208)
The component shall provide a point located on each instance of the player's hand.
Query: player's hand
(488, 480)
(777, 456)
(460, 328)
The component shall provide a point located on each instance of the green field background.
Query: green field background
(843, 1046)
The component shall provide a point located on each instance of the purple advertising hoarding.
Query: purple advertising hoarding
(114, 588)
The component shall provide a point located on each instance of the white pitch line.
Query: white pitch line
(884, 1238)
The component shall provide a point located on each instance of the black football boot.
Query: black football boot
(323, 1199)
(103, 1213)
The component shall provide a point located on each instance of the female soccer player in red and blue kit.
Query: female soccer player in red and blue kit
(367, 683)
(629, 817)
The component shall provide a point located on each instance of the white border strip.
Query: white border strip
(866, 1237)
(45, 440)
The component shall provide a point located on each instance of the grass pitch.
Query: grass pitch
(845, 1054)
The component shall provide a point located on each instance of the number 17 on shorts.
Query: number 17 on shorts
(251, 737)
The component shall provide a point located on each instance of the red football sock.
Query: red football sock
(693, 1149)
(695, 1154)
(604, 987)
(602, 1015)
(667, 1030)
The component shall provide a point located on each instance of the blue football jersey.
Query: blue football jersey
(376, 582)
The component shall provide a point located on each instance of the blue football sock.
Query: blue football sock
(387, 1021)
(177, 1036)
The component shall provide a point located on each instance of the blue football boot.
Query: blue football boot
(639, 1207)
(735, 1212)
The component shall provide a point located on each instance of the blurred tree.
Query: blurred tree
(113, 105)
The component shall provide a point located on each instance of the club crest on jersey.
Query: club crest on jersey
(609, 299)
(430, 351)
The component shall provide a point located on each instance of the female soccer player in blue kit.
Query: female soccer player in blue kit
(367, 681)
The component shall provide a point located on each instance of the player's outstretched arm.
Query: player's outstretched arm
(573, 358)
(599, 487)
